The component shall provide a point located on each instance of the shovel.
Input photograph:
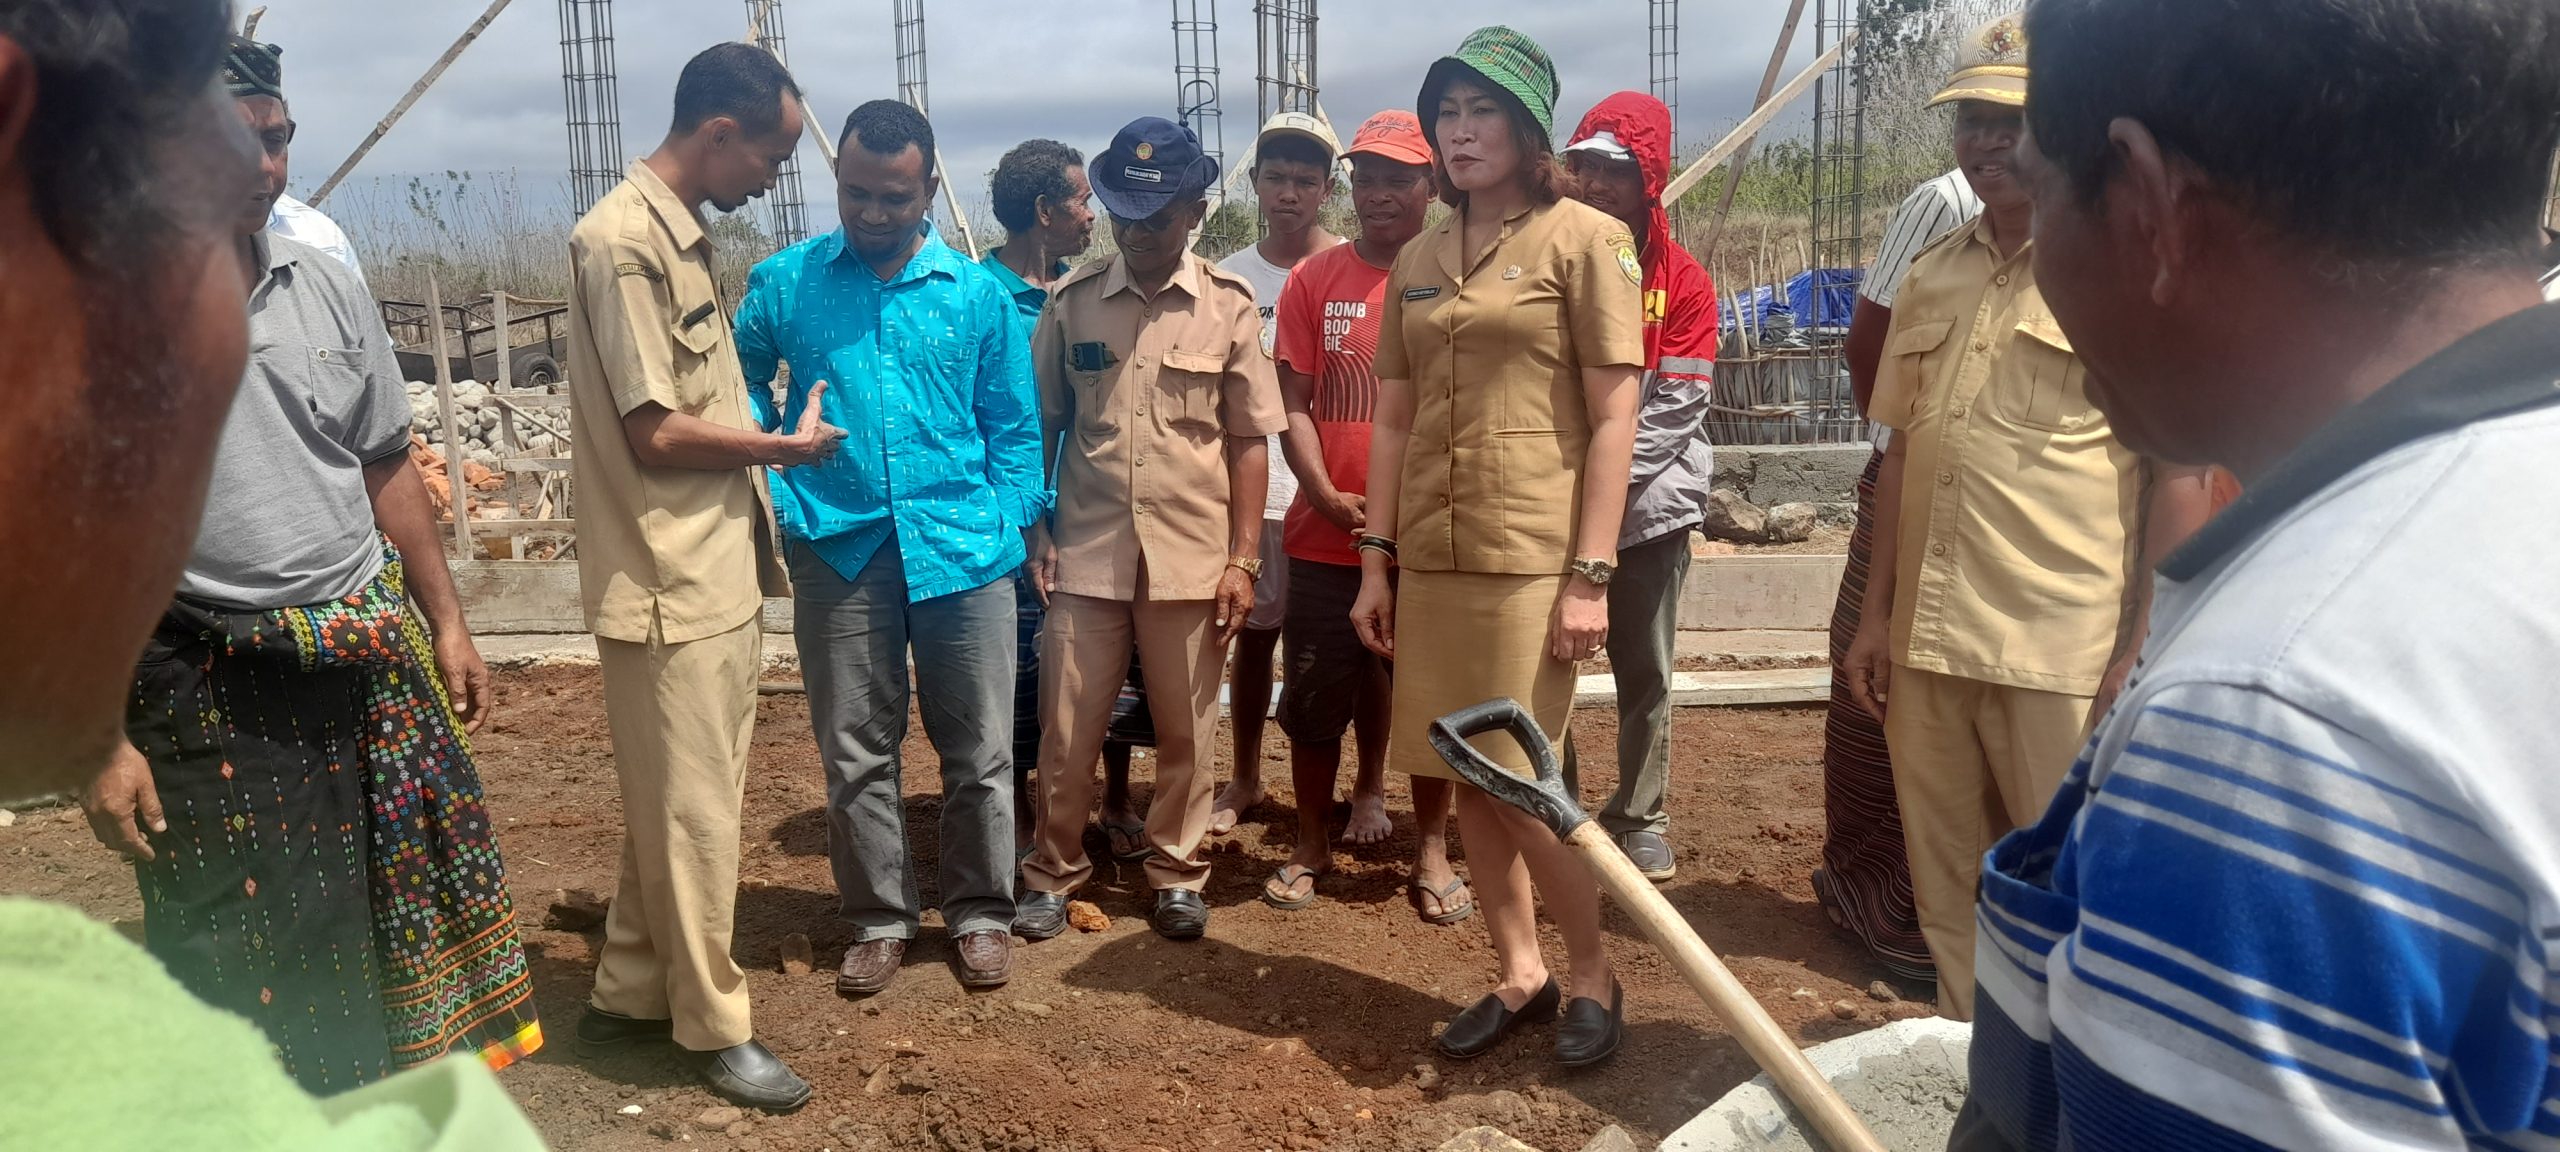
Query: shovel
(1545, 798)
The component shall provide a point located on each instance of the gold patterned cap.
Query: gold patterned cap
(1990, 66)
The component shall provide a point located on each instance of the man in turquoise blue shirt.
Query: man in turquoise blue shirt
(908, 538)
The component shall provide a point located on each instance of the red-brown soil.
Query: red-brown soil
(1282, 1029)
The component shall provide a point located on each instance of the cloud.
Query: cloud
(999, 72)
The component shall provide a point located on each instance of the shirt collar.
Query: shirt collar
(1186, 276)
(277, 259)
(684, 226)
(933, 256)
(2505, 368)
(1012, 281)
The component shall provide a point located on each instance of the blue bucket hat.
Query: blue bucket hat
(1151, 163)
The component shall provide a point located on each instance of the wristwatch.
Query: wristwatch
(1598, 572)
(1251, 567)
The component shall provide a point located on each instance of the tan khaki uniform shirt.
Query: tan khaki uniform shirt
(2019, 507)
(1145, 394)
(1495, 352)
(664, 554)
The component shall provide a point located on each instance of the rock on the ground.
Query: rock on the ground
(1484, 1140)
(797, 957)
(1844, 1009)
(1611, 1139)
(1791, 523)
(577, 910)
(1086, 916)
(1031, 1008)
(1426, 1077)
(719, 1119)
(7, 817)
(1730, 517)
(1883, 992)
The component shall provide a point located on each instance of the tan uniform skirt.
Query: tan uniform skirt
(1463, 638)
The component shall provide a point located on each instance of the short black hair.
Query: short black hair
(740, 81)
(1292, 149)
(885, 128)
(115, 78)
(1033, 171)
(2413, 134)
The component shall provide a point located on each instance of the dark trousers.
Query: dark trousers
(1644, 628)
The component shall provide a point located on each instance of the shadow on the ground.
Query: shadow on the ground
(1373, 1031)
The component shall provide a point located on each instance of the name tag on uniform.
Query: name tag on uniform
(1090, 356)
(698, 315)
(1413, 294)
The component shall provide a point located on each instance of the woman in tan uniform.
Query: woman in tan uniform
(1508, 359)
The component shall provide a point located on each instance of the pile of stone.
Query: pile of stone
(476, 423)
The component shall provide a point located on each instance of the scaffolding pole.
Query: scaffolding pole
(1663, 62)
(592, 95)
(1284, 40)
(1195, 76)
(908, 15)
(786, 209)
(1839, 214)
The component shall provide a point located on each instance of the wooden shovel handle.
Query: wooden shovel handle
(1768, 1044)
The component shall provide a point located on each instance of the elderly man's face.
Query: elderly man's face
(1986, 142)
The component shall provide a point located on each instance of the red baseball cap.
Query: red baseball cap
(1394, 134)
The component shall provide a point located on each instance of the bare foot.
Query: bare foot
(1369, 823)
(1231, 805)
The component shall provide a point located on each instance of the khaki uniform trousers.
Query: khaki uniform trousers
(682, 716)
(1971, 761)
(1084, 657)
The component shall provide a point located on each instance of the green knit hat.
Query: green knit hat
(1508, 60)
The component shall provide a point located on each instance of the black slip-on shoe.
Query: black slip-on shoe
(1039, 915)
(1475, 1031)
(1591, 1033)
(751, 1076)
(1180, 914)
(602, 1029)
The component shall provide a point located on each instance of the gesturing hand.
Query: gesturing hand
(814, 439)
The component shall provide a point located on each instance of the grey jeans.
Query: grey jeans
(1644, 627)
(854, 638)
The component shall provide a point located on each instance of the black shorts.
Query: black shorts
(1328, 666)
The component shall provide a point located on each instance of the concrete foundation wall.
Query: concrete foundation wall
(1723, 593)
(1770, 475)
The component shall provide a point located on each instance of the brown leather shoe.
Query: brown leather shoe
(986, 958)
(869, 966)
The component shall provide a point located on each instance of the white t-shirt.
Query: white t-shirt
(1268, 279)
(295, 220)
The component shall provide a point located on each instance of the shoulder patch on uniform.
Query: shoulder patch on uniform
(1627, 261)
(1231, 279)
(641, 270)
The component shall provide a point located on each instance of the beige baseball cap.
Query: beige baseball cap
(1302, 125)
(1991, 65)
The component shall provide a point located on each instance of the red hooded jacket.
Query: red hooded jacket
(1679, 298)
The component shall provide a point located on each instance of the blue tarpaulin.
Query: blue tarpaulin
(1794, 306)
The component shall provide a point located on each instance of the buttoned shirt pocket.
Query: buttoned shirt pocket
(2048, 389)
(1903, 374)
(1189, 382)
(333, 383)
(695, 344)
(1097, 417)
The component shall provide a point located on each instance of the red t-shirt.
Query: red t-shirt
(1679, 315)
(1327, 328)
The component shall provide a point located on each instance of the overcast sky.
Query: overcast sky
(999, 72)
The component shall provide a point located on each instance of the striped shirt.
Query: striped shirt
(1932, 210)
(2300, 890)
